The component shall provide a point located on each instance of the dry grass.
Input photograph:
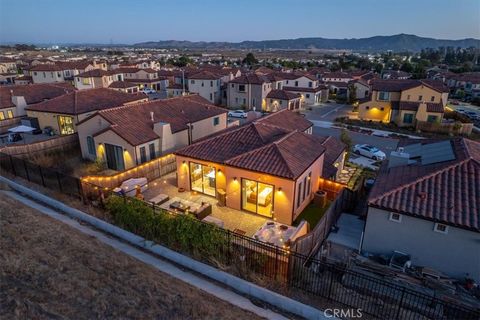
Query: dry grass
(50, 271)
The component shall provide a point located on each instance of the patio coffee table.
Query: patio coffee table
(177, 205)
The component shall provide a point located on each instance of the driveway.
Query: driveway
(327, 111)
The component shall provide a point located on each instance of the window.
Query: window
(440, 228)
(396, 217)
(310, 84)
(211, 83)
(432, 119)
(367, 107)
(244, 101)
(408, 118)
(233, 86)
(296, 83)
(202, 178)
(143, 155)
(202, 84)
(307, 95)
(384, 96)
(151, 148)
(114, 156)
(216, 121)
(299, 194)
(34, 73)
(309, 183)
(9, 114)
(420, 98)
(192, 81)
(408, 97)
(2, 115)
(257, 197)
(287, 81)
(86, 81)
(211, 97)
(304, 189)
(241, 87)
(65, 124)
(91, 146)
(44, 75)
(432, 98)
(58, 74)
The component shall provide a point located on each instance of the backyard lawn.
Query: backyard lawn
(312, 214)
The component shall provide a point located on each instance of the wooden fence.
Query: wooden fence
(151, 170)
(57, 144)
(447, 128)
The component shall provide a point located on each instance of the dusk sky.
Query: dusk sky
(121, 21)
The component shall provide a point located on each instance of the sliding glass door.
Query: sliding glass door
(257, 197)
(203, 178)
(114, 157)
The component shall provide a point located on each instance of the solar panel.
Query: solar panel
(437, 152)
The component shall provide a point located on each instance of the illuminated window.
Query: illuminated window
(257, 197)
(65, 124)
(2, 115)
(86, 81)
(203, 178)
(9, 114)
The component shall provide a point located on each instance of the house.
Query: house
(269, 167)
(282, 99)
(360, 87)
(20, 80)
(63, 112)
(207, 84)
(404, 102)
(396, 75)
(14, 99)
(338, 76)
(131, 135)
(144, 78)
(8, 65)
(124, 86)
(307, 86)
(425, 203)
(7, 78)
(47, 73)
(96, 78)
(249, 91)
(175, 90)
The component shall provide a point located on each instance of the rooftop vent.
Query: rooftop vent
(151, 116)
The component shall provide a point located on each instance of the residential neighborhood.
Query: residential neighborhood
(320, 175)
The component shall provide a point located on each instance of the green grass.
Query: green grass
(312, 214)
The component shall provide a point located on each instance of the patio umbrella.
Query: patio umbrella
(21, 129)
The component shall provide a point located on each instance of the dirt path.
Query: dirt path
(50, 271)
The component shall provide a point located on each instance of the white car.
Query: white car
(369, 151)
(237, 114)
(148, 91)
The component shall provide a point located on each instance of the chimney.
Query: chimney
(398, 158)
(151, 116)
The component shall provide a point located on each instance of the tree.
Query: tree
(250, 59)
(352, 94)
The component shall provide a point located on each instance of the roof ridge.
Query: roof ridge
(420, 179)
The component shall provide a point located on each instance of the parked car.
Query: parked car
(369, 151)
(237, 114)
(148, 91)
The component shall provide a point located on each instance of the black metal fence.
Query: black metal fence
(339, 286)
(49, 178)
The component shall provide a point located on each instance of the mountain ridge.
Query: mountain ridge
(399, 42)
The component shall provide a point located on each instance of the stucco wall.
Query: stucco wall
(205, 127)
(455, 253)
(89, 128)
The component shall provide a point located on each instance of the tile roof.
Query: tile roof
(205, 75)
(274, 144)
(446, 192)
(251, 78)
(400, 85)
(333, 150)
(133, 122)
(414, 105)
(83, 101)
(96, 73)
(304, 89)
(122, 85)
(33, 93)
(282, 95)
(46, 67)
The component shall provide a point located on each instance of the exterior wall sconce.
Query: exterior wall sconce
(234, 178)
(280, 189)
(184, 161)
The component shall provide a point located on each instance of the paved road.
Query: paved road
(327, 111)
(385, 144)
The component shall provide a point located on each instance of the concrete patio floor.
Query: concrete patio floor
(232, 219)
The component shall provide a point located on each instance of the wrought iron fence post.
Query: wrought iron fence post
(400, 304)
(26, 169)
(13, 167)
(41, 175)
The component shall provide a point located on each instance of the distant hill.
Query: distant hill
(399, 42)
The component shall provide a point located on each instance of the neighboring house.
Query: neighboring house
(124, 86)
(7, 78)
(63, 112)
(405, 102)
(311, 92)
(469, 83)
(425, 203)
(47, 73)
(249, 91)
(207, 84)
(361, 88)
(334, 157)
(128, 136)
(144, 78)
(396, 75)
(339, 89)
(97, 78)
(282, 99)
(8, 65)
(23, 80)
(14, 99)
(270, 167)
(175, 90)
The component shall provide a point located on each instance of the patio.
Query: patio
(232, 219)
